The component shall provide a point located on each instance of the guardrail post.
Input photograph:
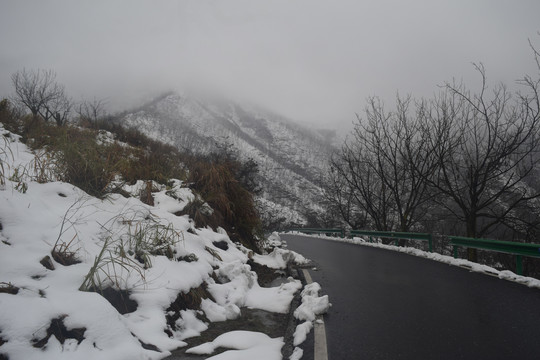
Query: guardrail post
(455, 252)
(430, 243)
(519, 265)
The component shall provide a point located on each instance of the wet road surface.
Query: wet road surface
(389, 305)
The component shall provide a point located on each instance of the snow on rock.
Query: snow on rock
(274, 299)
(301, 332)
(312, 304)
(240, 288)
(248, 346)
(238, 279)
(299, 259)
(215, 312)
(297, 354)
(274, 240)
(189, 325)
(279, 258)
(104, 235)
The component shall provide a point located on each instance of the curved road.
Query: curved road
(389, 305)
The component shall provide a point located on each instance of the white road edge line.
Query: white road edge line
(320, 348)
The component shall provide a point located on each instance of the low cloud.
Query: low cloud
(314, 61)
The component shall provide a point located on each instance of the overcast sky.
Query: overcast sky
(314, 61)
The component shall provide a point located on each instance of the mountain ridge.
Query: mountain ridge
(291, 158)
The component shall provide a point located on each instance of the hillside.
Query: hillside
(291, 159)
(128, 274)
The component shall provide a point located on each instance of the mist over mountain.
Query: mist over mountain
(291, 158)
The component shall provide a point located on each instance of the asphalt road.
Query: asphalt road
(389, 305)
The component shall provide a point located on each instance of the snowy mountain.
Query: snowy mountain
(291, 158)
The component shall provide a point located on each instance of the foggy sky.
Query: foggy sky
(313, 61)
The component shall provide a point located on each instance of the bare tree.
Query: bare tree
(33, 88)
(470, 159)
(38, 91)
(386, 165)
(365, 190)
(486, 148)
(404, 163)
(59, 108)
(339, 197)
(92, 111)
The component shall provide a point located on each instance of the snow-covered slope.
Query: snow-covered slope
(291, 158)
(57, 244)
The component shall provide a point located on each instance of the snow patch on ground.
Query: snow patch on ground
(301, 332)
(242, 289)
(247, 345)
(102, 234)
(312, 304)
(189, 325)
(297, 354)
(274, 299)
(277, 259)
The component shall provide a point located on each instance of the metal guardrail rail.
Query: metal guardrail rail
(338, 231)
(396, 235)
(508, 247)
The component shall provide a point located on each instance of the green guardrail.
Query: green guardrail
(337, 231)
(396, 236)
(508, 247)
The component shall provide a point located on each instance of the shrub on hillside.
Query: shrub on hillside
(92, 165)
(9, 116)
(223, 183)
(215, 180)
(202, 214)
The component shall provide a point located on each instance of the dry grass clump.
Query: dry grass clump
(147, 239)
(9, 116)
(44, 167)
(131, 253)
(154, 160)
(146, 195)
(5, 116)
(74, 155)
(64, 252)
(4, 150)
(213, 252)
(109, 269)
(91, 165)
(218, 184)
(3, 166)
(202, 214)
